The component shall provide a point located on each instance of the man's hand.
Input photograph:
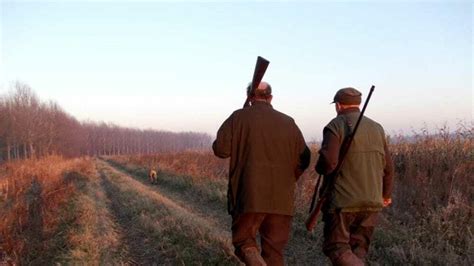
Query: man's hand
(387, 202)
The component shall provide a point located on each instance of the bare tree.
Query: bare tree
(30, 128)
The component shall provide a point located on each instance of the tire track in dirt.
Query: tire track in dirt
(129, 239)
(95, 238)
(138, 240)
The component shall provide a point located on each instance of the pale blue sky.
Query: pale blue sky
(184, 66)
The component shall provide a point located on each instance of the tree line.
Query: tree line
(31, 128)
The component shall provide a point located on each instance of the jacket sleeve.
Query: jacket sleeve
(388, 173)
(304, 154)
(329, 153)
(222, 146)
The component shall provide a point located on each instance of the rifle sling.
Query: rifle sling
(328, 188)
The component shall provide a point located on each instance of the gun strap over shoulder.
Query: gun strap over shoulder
(329, 181)
(348, 130)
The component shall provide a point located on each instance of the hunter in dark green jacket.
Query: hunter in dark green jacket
(363, 186)
(267, 155)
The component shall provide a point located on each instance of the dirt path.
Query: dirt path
(160, 230)
(131, 241)
(212, 210)
(95, 236)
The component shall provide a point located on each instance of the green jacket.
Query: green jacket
(366, 175)
(267, 155)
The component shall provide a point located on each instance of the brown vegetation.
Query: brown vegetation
(56, 210)
(430, 221)
(198, 165)
(68, 211)
(33, 206)
(433, 198)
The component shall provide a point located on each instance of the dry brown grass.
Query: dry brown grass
(55, 210)
(433, 198)
(434, 170)
(35, 194)
(195, 164)
(431, 220)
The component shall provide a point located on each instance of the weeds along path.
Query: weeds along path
(60, 217)
(159, 230)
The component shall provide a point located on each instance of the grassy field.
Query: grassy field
(88, 212)
(430, 222)
(105, 211)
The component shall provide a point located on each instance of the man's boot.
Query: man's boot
(251, 257)
(348, 259)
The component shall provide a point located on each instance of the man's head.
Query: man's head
(347, 98)
(262, 93)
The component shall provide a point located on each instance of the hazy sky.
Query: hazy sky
(184, 66)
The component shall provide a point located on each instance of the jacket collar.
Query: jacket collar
(349, 110)
(261, 103)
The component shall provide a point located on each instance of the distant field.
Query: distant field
(105, 210)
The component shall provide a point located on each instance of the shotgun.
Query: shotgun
(314, 213)
(260, 68)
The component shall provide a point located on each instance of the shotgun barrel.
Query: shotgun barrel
(260, 68)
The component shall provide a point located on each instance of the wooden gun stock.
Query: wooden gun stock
(313, 217)
(260, 68)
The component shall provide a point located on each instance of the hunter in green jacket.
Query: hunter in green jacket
(267, 155)
(363, 186)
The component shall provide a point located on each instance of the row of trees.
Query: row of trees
(31, 128)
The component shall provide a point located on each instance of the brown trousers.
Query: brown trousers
(347, 236)
(274, 232)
